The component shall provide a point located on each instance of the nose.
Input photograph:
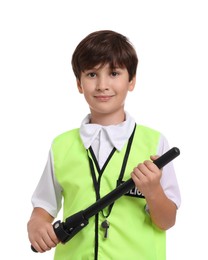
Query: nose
(102, 84)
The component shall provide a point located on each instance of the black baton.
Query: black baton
(73, 224)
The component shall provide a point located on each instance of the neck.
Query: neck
(105, 119)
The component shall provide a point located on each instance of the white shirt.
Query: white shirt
(102, 139)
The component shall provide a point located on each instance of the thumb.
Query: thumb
(154, 157)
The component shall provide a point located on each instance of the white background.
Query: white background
(39, 100)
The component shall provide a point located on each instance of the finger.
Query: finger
(138, 175)
(36, 248)
(137, 179)
(53, 236)
(154, 157)
(40, 246)
(143, 168)
(45, 243)
(49, 242)
(151, 166)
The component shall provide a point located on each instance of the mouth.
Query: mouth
(103, 98)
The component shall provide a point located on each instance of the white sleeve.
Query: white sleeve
(168, 179)
(48, 193)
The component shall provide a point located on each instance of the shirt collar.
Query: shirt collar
(117, 134)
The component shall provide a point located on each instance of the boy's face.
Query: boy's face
(105, 89)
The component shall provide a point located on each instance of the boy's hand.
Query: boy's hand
(146, 177)
(41, 234)
(162, 210)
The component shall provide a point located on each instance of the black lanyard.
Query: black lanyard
(96, 182)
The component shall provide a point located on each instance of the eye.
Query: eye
(91, 75)
(114, 73)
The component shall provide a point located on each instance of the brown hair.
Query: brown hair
(104, 47)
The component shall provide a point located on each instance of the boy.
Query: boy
(87, 163)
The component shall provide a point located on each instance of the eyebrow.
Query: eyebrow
(98, 68)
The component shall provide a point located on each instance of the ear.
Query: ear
(79, 86)
(132, 83)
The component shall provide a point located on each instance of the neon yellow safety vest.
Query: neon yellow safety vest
(131, 234)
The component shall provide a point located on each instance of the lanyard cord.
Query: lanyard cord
(96, 183)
